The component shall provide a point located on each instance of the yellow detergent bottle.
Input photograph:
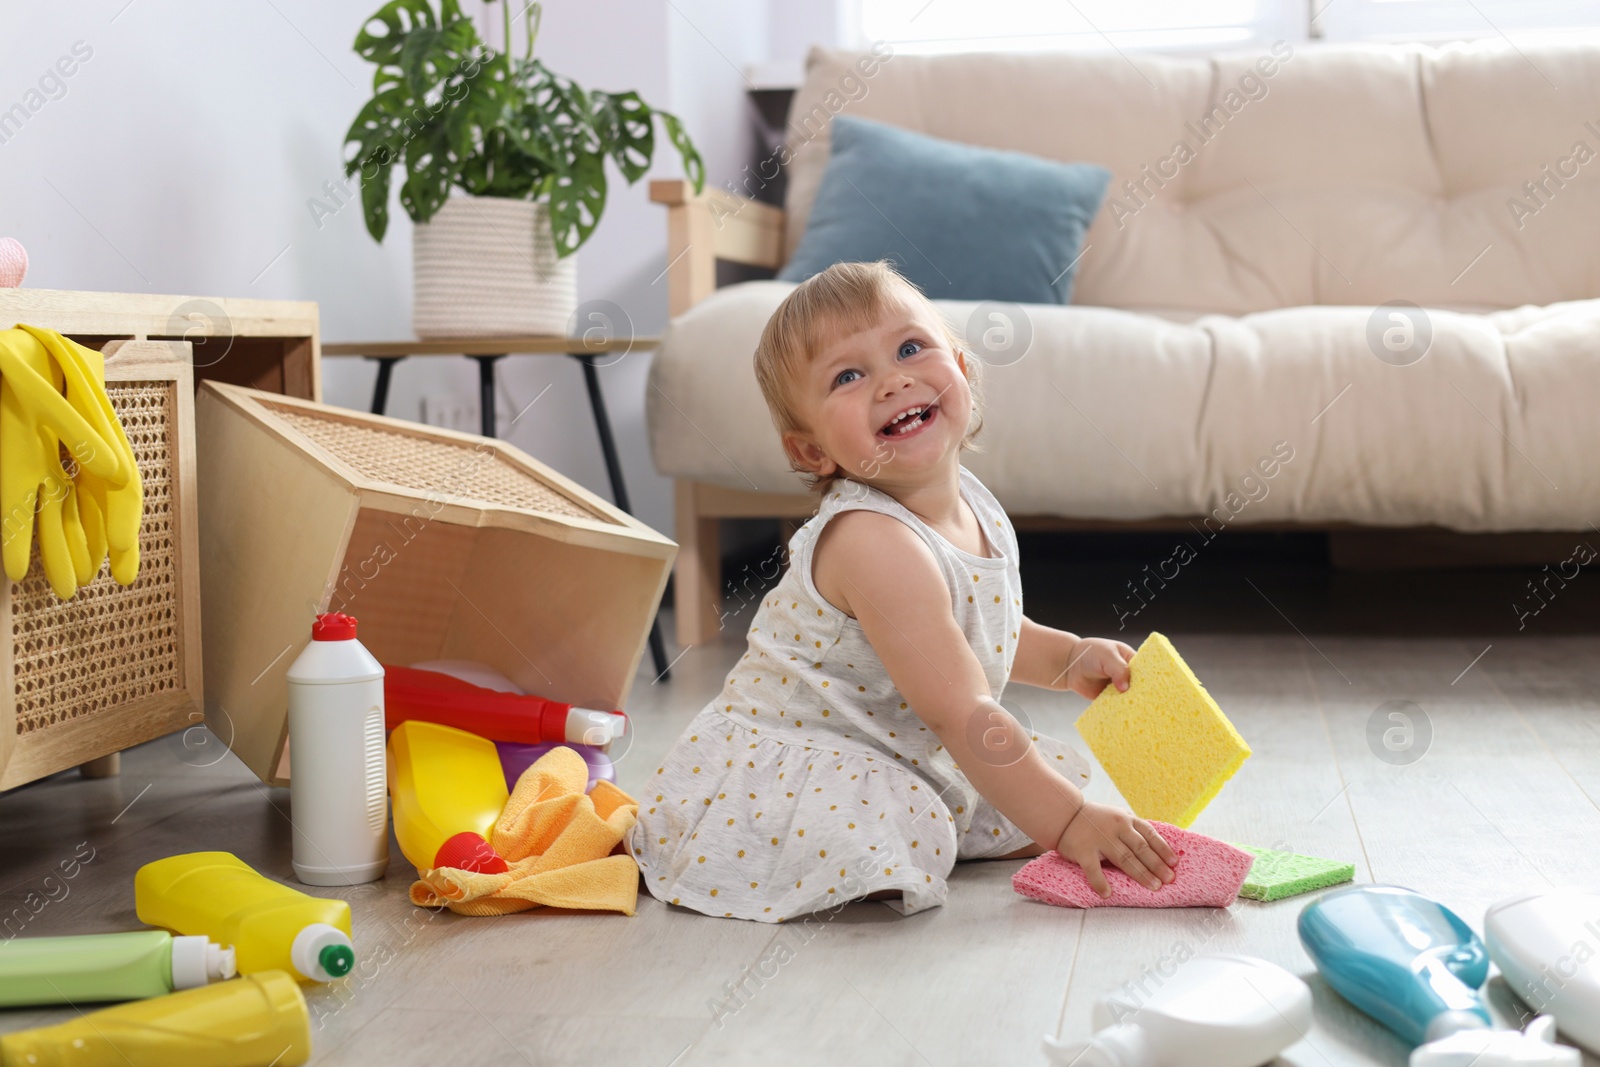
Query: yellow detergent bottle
(448, 789)
(255, 1021)
(270, 926)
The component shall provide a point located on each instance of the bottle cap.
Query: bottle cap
(311, 956)
(196, 961)
(585, 726)
(337, 959)
(1123, 1045)
(334, 626)
(468, 851)
(1533, 1047)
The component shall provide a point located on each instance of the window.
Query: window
(1198, 25)
(1040, 25)
(1455, 20)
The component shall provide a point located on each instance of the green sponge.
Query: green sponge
(1276, 875)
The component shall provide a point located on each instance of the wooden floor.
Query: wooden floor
(1503, 799)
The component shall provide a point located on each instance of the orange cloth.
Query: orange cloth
(558, 842)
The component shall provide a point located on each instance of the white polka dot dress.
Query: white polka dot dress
(809, 781)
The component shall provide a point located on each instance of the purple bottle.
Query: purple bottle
(516, 758)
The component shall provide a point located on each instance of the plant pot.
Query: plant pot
(486, 266)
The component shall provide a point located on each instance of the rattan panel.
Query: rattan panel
(444, 469)
(109, 646)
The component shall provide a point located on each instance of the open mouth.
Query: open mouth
(909, 422)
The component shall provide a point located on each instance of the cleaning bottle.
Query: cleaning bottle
(1221, 1011)
(90, 968)
(448, 789)
(1415, 966)
(1408, 962)
(1547, 945)
(515, 758)
(443, 698)
(337, 789)
(270, 926)
(256, 1021)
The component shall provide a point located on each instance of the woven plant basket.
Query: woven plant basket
(486, 266)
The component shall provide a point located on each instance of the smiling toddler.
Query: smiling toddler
(857, 749)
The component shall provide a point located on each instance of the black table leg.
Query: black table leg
(380, 389)
(591, 379)
(619, 491)
(486, 392)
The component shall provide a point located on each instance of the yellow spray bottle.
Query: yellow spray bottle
(255, 1021)
(270, 926)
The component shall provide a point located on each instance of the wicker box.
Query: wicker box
(444, 545)
(113, 666)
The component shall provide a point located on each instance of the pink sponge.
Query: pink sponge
(1208, 875)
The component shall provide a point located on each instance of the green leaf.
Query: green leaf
(373, 127)
(577, 199)
(622, 120)
(376, 135)
(375, 203)
(416, 56)
(429, 174)
(692, 163)
(384, 34)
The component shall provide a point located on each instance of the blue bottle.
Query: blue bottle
(1405, 960)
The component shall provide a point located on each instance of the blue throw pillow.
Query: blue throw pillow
(962, 222)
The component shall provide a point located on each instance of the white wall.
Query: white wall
(180, 157)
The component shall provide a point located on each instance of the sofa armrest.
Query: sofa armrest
(711, 226)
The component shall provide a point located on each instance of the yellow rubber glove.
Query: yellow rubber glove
(60, 529)
(78, 541)
(29, 378)
(22, 468)
(120, 506)
(52, 393)
(32, 479)
(92, 515)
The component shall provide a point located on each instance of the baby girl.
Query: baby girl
(857, 750)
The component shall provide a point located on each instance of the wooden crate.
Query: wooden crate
(114, 666)
(443, 545)
(265, 344)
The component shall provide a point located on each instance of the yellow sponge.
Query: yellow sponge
(1165, 743)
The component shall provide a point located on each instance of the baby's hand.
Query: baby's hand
(1131, 843)
(1097, 662)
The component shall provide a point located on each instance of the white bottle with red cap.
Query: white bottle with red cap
(338, 790)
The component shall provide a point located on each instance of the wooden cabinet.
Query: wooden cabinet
(113, 667)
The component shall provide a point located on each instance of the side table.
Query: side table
(488, 351)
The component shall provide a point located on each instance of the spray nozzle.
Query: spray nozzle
(1123, 1045)
(1532, 1047)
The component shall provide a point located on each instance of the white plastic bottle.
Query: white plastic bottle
(338, 790)
(1547, 945)
(1220, 1011)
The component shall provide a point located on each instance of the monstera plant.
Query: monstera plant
(525, 144)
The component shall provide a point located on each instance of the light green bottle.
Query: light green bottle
(100, 967)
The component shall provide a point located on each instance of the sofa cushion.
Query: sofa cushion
(959, 221)
(1118, 415)
(1274, 177)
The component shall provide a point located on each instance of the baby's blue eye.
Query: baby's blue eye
(915, 346)
(842, 373)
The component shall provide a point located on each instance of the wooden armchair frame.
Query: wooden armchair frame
(701, 230)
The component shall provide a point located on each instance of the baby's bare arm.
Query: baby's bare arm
(1056, 659)
(894, 588)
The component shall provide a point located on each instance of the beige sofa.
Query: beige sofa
(1228, 315)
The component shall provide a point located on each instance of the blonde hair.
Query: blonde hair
(846, 298)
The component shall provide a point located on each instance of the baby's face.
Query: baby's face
(854, 392)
